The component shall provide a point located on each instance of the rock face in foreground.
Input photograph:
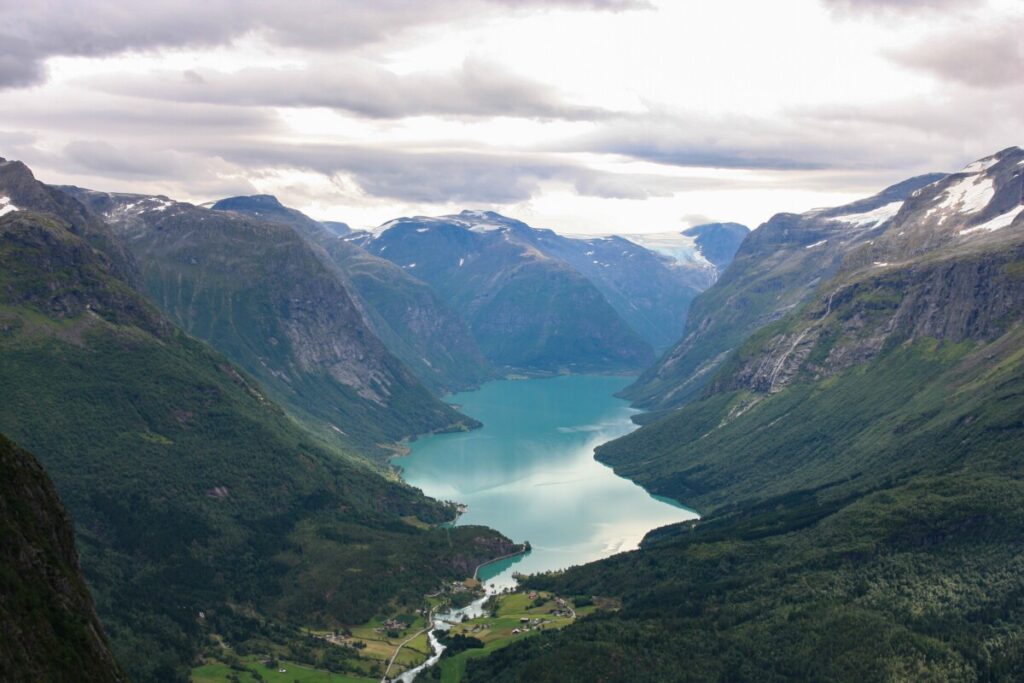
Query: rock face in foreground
(48, 626)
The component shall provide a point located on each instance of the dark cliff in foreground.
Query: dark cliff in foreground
(48, 626)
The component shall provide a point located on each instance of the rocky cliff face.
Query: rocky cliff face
(777, 268)
(943, 267)
(259, 293)
(48, 626)
(973, 298)
(433, 341)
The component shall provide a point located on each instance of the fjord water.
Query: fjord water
(530, 472)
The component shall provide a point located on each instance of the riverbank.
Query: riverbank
(511, 617)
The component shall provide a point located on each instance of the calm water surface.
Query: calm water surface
(531, 474)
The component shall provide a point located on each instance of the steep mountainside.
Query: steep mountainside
(48, 625)
(777, 268)
(260, 294)
(433, 341)
(527, 310)
(19, 190)
(860, 464)
(718, 242)
(703, 250)
(202, 511)
(650, 291)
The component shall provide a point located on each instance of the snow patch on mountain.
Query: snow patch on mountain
(874, 217)
(6, 206)
(981, 165)
(1000, 221)
(969, 194)
(677, 246)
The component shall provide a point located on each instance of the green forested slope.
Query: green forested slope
(258, 292)
(190, 490)
(870, 529)
(920, 581)
(860, 466)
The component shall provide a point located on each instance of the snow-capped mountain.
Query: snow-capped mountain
(527, 308)
(648, 290)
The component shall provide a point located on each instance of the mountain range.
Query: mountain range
(539, 301)
(261, 294)
(854, 446)
(200, 505)
(213, 390)
(428, 336)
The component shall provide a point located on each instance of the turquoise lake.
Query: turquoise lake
(530, 472)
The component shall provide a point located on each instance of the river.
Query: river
(530, 473)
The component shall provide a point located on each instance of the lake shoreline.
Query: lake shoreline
(530, 472)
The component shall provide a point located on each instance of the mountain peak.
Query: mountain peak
(266, 202)
(985, 163)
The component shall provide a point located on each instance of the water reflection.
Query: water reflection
(530, 471)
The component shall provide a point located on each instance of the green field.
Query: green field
(294, 673)
(497, 632)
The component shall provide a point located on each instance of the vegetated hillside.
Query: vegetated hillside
(777, 268)
(860, 465)
(259, 294)
(48, 625)
(200, 507)
(433, 341)
(527, 310)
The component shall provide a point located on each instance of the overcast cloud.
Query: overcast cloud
(596, 115)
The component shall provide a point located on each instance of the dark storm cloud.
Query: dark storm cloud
(362, 88)
(33, 31)
(100, 115)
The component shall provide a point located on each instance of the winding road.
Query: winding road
(430, 625)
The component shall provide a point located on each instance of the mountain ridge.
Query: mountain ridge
(256, 291)
(200, 507)
(848, 457)
(417, 326)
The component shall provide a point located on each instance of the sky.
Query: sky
(585, 116)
